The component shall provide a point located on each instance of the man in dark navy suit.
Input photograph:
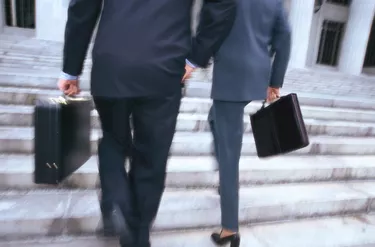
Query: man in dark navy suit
(138, 64)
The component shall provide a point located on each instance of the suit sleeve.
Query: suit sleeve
(82, 18)
(281, 46)
(216, 20)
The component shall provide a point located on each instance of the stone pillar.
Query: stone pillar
(300, 17)
(354, 43)
(50, 19)
(2, 16)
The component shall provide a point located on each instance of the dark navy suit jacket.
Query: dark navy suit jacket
(243, 67)
(141, 45)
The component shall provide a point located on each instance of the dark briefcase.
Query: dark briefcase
(279, 128)
(62, 137)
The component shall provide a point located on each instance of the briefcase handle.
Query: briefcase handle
(265, 102)
(75, 98)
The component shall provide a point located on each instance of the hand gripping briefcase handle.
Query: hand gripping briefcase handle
(264, 103)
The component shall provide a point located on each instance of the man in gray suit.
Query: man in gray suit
(243, 72)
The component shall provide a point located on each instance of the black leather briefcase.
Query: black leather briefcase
(279, 128)
(62, 137)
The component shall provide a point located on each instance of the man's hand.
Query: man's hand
(69, 87)
(188, 71)
(272, 94)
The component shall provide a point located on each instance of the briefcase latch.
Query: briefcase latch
(53, 165)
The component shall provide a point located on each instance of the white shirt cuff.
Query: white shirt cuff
(190, 64)
(66, 76)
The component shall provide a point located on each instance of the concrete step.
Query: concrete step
(29, 72)
(15, 34)
(26, 44)
(308, 80)
(351, 109)
(32, 44)
(74, 212)
(16, 171)
(202, 77)
(10, 48)
(52, 52)
(42, 56)
(315, 106)
(20, 140)
(43, 79)
(28, 54)
(40, 68)
(22, 61)
(350, 231)
(200, 88)
(305, 80)
(22, 116)
(17, 42)
(44, 53)
(199, 85)
(14, 81)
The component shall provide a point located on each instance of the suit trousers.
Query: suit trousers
(227, 127)
(137, 192)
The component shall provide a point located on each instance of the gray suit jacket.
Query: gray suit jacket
(243, 67)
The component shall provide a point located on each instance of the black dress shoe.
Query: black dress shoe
(127, 245)
(136, 245)
(234, 239)
(108, 230)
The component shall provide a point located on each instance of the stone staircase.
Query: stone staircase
(320, 196)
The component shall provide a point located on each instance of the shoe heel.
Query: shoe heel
(235, 242)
